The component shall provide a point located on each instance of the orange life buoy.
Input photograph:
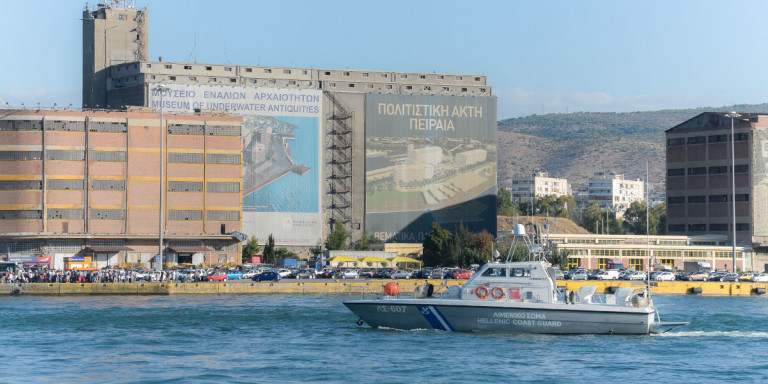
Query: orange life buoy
(497, 293)
(482, 293)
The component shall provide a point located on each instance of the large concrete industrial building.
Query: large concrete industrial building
(382, 151)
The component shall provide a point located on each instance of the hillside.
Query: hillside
(575, 145)
(561, 226)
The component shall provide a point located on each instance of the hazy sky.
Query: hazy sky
(539, 56)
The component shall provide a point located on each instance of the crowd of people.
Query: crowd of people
(35, 275)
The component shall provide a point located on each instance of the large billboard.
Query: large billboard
(429, 158)
(281, 154)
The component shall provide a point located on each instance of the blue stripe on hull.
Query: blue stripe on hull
(435, 318)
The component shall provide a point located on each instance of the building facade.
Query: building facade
(88, 184)
(614, 192)
(396, 151)
(539, 184)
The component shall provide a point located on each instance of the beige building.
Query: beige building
(127, 78)
(614, 192)
(539, 184)
(88, 184)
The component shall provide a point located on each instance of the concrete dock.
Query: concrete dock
(325, 287)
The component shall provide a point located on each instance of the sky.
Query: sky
(539, 56)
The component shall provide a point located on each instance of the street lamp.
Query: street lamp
(733, 115)
(161, 88)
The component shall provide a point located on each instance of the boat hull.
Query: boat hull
(460, 316)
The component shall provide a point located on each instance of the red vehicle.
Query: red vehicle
(462, 274)
(218, 276)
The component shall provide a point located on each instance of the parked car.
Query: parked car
(326, 273)
(383, 273)
(267, 276)
(698, 276)
(218, 276)
(306, 273)
(462, 274)
(608, 275)
(731, 277)
(715, 276)
(436, 273)
(346, 274)
(559, 275)
(250, 273)
(284, 272)
(636, 275)
(580, 274)
(762, 278)
(747, 276)
(402, 274)
(593, 275)
(234, 274)
(665, 276)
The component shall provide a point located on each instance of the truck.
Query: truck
(695, 266)
(286, 263)
(614, 264)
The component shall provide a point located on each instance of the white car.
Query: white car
(349, 274)
(402, 274)
(637, 275)
(250, 273)
(763, 277)
(665, 276)
(608, 275)
(284, 272)
(581, 274)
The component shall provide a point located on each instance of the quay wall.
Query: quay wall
(321, 287)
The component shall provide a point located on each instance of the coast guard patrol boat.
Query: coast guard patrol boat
(516, 297)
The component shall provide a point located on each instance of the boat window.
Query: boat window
(520, 272)
(495, 272)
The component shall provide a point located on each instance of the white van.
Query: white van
(610, 274)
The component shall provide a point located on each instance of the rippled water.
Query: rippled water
(244, 339)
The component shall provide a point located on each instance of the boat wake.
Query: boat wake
(734, 334)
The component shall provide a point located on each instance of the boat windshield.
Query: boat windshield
(502, 272)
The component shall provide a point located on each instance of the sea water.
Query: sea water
(314, 338)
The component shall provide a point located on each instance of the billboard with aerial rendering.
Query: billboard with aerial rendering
(429, 158)
(282, 138)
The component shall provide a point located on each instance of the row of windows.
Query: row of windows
(715, 170)
(196, 215)
(112, 185)
(703, 227)
(197, 158)
(211, 130)
(742, 197)
(704, 139)
(197, 186)
(63, 126)
(21, 125)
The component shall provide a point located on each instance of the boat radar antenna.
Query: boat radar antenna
(521, 238)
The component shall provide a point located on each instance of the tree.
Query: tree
(317, 249)
(250, 249)
(269, 250)
(504, 206)
(366, 241)
(337, 239)
(436, 246)
(559, 258)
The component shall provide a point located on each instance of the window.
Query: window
(287, 71)
(697, 140)
(116, 156)
(66, 126)
(463, 89)
(185, 129)
(187, 158)
(168, 66)
(459, 78)
(105, 126)
(223, 187)
(20, 215)
(351, 85)
(667, 262)
(181, 215)
(369, 85)
(193, 78)
(65, 155)
(718, 170)
(697, 199)
(292, 82)
(223, 215)
(440, 77)
(741, 137)
(422, 76)
(21, 155)
(107, 214)
(211, 79)
(19, 185)
(666, 253)
(636, 264)
(676, 227)
(384, 75)
(366, 74)
(601, 263)
(446, 89)
(742, 226)
(718, 227)
(389, 86)
(223, 158)
(718, 138)
(172, 78)
(741, 197)
(697, 227)
(304, 72)
(408, 87)
(675, 142)
(346, 73)
(477, 78)
(249, 70)
(403, 76)
(718, 198)
(634, 252)
(185, 186)
(676, 200)
(267, 70)
(222, 130)
(65, 184)
(742, 168)
(208, 68)
(188, 67)
(228, 69)
(495, 272)
(697, 171)
(233, 80)
(327, 73)
(332, 84)
(427, 88)
(574, 263)
(108, 185)
(482, 90)
(676, 172)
